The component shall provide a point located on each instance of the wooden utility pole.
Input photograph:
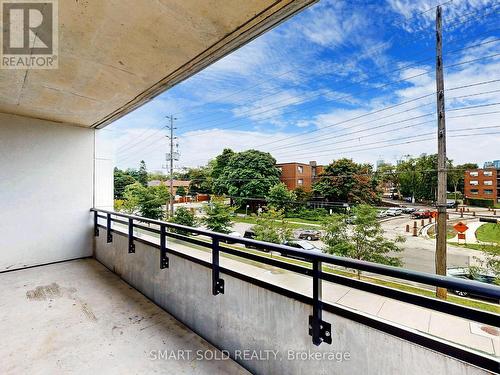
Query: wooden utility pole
(441, 136)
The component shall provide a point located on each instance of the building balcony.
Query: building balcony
(248, 300)
(79, 317)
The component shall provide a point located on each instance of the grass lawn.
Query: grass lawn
(487, 248)
(489, 232)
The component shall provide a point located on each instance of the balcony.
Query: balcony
(78, 316)
(98, 291)
(238, 299)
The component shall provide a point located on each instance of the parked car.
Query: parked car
(467, 274)
(409, 210)
(250, 234)
(450, 203)
(381, 214)
(421, 213)
(302, 245)
(394, 212)
(309, 234)
(233, 234)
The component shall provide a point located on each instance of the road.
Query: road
(418, 252)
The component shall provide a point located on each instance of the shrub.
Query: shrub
(479, 202)
(183, 216)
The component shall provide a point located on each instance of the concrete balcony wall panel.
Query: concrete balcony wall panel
(250, 317)
(46, 188)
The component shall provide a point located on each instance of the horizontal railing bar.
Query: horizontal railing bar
(415, 299)
(475, 287)
(481, 360)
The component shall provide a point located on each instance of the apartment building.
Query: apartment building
(482, 184)
(295, 175)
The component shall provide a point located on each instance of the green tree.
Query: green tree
(131, 198)
(386, 174)
(218, 216)
(121, 180)
(272, 227)
(183, 216)
(181, 191)
(302, 196)
(280, 198)
(200, 180)
(365, 241)
(346, 181)
(220, 163)
(147, 200)
(247, 174)
(142, 175)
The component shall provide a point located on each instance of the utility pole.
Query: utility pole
(441, 136)
(170, 158)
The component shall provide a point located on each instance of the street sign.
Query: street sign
(461, 236)
(460, 227)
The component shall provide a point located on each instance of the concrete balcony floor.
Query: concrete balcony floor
(78, 317)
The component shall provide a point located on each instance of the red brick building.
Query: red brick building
(482, 184)
(295, 175)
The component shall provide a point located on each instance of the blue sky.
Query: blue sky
(307, 90)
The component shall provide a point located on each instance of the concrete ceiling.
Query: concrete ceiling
(115, 55)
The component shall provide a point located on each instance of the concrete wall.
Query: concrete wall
(46, 187)
(248, 317)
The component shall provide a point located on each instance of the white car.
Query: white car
(393, 212)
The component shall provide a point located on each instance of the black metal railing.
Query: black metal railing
(318, 328)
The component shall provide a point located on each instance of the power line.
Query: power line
(317, 95)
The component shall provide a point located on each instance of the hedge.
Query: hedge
(479, 202)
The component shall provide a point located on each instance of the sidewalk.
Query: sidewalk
(454, 329)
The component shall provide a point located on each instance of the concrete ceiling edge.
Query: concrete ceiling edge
(272, 16)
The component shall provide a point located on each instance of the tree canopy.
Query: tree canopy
(364, 241)
(147, 200)
(280, 198)
(218, 216)
(247, 174)
(272, 227)
(346, 181)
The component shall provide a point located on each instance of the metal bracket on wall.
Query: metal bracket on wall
(320, 330)
(131, 244)
(163, 248)
(217, 282)
(109, 236)
(96, 224)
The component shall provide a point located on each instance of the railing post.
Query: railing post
(217, 282)
(109, 236)
(96, 224)
(163, 247)
(319, 330)
(131, 245)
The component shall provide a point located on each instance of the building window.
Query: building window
(474, 173)
(473, 182)
(300, 182)
(300, 169)
(488, 173)
(474, 191)
(488, 191)
(488, 182)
